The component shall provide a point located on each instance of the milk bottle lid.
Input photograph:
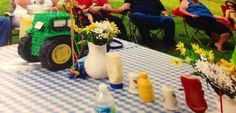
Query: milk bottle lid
(143, 75)
(102, 87)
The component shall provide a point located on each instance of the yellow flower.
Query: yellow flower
(181, 48)
(77, 29)
(211, 56)
(197, 50)
(115, 28)
(223, 62)
(200, 51)
(188, 59)
(183, 51)
(176, 62)
(195, 46)
(180, 45)
(229, 69)
(180, 62)
(91, 27)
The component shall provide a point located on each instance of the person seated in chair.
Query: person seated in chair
(230, 13)
(151, 14)
(80, 11)
(198, 15)
(100, 10)
(21, 8)
(4, 30)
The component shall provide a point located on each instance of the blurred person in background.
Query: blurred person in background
(151, 14)
(21, 8)
(4, 30)
(101, 10)
(198, 15)
(230, 13)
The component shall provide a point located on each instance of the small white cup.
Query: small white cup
(170, 101)
(133, 82)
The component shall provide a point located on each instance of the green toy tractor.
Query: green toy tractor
(49, 41)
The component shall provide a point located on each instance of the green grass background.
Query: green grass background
(5, 6)
(213, 5)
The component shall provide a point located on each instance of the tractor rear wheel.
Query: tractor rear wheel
(24, 49)
(55, 54)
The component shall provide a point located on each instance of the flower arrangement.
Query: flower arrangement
(220, 74)
(99, 33)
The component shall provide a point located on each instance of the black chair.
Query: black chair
(191, 32)
(133, 30)
(131, 27)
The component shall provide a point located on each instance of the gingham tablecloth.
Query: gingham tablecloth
(29, 88)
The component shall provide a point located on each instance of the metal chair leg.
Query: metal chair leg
(186, 31)
(194, 34)
(134, 33)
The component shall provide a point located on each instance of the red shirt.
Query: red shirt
(89, 2)
(102, 2)
(84, 2)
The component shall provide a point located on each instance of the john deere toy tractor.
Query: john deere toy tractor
(49, 41)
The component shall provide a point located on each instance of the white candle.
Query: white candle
(115, 70)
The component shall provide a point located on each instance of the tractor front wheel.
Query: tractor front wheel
(55, 54)
(24, 49)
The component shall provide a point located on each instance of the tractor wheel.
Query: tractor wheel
(24, 49)
(55, 54)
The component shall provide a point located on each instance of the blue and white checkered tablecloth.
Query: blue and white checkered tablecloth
(29, 88)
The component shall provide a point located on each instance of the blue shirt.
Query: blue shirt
(199, 9)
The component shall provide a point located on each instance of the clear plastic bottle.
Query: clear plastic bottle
(104, 102)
